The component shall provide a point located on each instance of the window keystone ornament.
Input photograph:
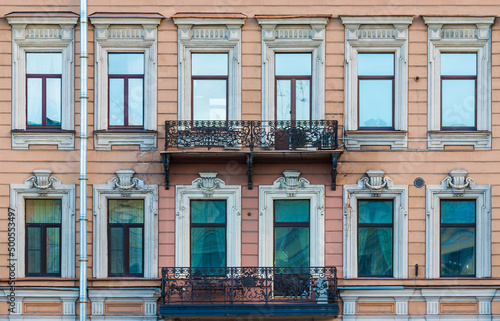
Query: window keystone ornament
(375, 181)
(208, 183)
(124, 180)
(42, 179)
(291, 182)
(458, 181)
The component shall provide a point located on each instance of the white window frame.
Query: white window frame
(375, 186)
(468, 35)
(44, 186)
(125, 33)
(458, 186)
(208, 187)
(51, 32)
(199, 33)
(124, 186)
(293, 35)
(380, 34)
(291, 187)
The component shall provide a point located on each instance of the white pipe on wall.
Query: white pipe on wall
(83, 159)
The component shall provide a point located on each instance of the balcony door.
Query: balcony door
(291, 247)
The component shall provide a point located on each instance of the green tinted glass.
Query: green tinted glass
(126, 211)
(375, 211)
(458, 251)
(43, 211)
(208, 211)
(291, 210)
(135, 250)
(53, 245)
(34, 250)
(116, 252)
(454, 211)
(375, 251)
(208, 247)
(291, 246)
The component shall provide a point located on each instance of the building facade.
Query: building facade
(278, 160)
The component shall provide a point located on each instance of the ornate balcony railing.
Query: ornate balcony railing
(252, 134)
(252, 285)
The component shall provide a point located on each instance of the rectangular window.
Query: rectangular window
(375, 238)
(209, 76)
(43, 237)
(293, 86)
(376, 90)
(458, 237)
(126, 90)
(208, 233)
(291, 233)
(43, 89)
(458, 91)
(125, 237)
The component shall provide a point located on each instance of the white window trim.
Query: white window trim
(206, 35)
(42, 34)
(459, 34)
(376, 186)
(376, 34)
(290, 187)
(295, 34)
(125, 34)
(44, 186)
(210, 188)
(123, 186)
(458, 186)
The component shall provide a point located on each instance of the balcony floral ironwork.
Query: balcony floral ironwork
(252, 134)
(249, 285)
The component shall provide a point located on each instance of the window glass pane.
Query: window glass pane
(209, 99)
(291, 246)
(126, 211)
(291, 210)
(34, 251)
(375, 251)
(43, 211)
(116, 102)
(135, 250)
(208, 211)
(209, 64)
(458, 251)
(284, 99)
(53, 244)
(293, 64)
(375, 211)
(44, 63)
(458, 211)
(375, 64)
(53, 101)
(458, 64)
(34, 101)
(116, 252)
(208, 247)
(126, 63)
(375, 103)
(303, 99)
(135, 101)
(458, 102)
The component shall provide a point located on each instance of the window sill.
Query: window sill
(145, 139)
(356, 139)
(64, 139)
(437, 140)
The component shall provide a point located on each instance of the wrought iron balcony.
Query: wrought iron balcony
(252, 134)
(248, 290)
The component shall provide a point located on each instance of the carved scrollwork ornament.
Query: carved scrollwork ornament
(458, 182)
(124, 180)
(42, 179)
(375, 181)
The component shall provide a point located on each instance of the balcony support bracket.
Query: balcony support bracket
(335, 161)
(167, 157)
(249, 158)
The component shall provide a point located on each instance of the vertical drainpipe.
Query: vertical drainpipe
(83, 159)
